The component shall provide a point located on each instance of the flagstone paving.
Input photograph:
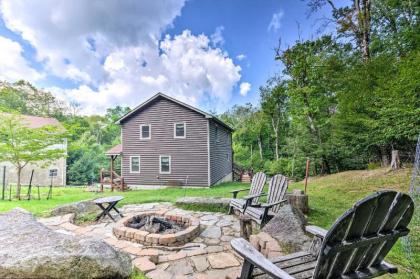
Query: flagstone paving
(207, 256)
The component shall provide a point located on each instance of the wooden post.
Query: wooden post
(299, 200)
(101, 179)
(30, 186)
(4, 183)
(245, 227)
(111, 174)
(307, 174)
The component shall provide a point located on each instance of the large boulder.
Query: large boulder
(288, 227)
(28, 249)
(81, 207)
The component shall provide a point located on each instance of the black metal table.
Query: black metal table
(111, 203)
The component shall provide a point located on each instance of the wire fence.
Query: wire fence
(411, 243)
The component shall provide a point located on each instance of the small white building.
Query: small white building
(55, 172)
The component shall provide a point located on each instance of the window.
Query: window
(134, 164)
(227, 157)
(217, 133)
(53, 173)
(180, 130)
(165, 164)
(145, 131)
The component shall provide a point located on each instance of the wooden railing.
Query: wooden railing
(113, 178)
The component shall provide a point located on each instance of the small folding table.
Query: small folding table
(111, 203)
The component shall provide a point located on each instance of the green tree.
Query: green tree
(274, 105)
(21, 145)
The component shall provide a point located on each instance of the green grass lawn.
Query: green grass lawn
(62, 195)
(329, 197)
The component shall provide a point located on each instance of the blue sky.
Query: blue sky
(106, 53)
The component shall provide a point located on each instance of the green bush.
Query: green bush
(373, 166)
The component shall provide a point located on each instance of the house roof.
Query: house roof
(34, 122)
(161, 95)
(115, 150)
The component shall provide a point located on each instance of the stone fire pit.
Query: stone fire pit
(155, 228)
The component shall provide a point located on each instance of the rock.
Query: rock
(200, 263)
(180, 267)
(288, 227)
(144, 264)
(222, 260)
(29, 249)
(211, 232)
(229, 273)
(159, 274)
(216, 202)
(82, 207)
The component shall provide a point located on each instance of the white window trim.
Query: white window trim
(131, 169)
(160, 164)
(141, 131)
(185, 131)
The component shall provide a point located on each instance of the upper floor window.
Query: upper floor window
(180, 131)
(165, 164)
(134, 164)
(145, 131)
(217, 133)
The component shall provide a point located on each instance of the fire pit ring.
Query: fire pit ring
(189, 228)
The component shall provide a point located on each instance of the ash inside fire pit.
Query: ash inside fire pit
(155, 224)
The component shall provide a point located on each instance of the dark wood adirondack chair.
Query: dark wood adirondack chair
(262, 213)
(257, 186)
(354, 247)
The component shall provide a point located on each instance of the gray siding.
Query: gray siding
(220, 165)
(188, 156)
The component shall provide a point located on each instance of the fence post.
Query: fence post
(4, 183)
(30, 185)
(307, 174)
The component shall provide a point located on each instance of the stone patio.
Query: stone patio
(207, 256)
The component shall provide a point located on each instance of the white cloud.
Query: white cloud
(73, 37)
(240, 57)
(12, 65)
(117, 52)
(244, 88)
(185, 67)
(217, 37)
(275, 22)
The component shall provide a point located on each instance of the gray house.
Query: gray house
(167, 142)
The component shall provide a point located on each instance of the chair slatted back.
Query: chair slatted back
(277, 191)
(257, 185)
(361, 238)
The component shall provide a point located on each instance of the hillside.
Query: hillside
(331, 195)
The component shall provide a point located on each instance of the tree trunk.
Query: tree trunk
(364, 23)
(384, 156)
(19, 172)
(276, 137)
(395, 161)
(260, 147)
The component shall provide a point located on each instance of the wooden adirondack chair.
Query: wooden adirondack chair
(257, 186)
(262, 213)
(354, 247)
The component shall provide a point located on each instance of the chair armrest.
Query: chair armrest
(250, 197)
(255, 258)
(240, 190)
(317, 231)
(235, 192)
(268, 205)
